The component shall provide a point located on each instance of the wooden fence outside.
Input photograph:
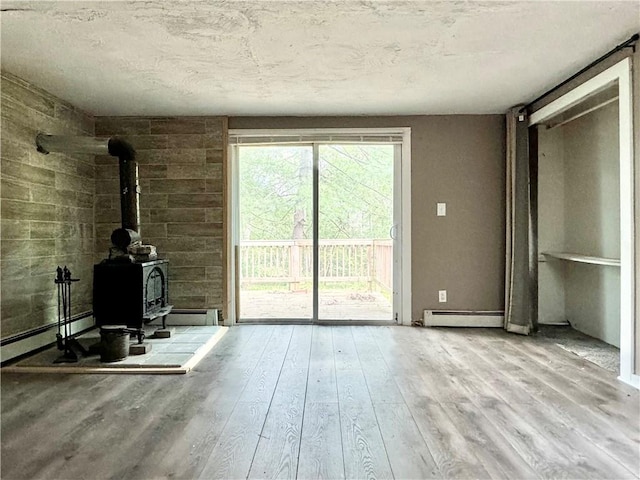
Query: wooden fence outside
(291, 262)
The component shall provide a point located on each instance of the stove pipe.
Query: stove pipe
(117, 147)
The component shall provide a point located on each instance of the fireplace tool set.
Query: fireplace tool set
(69, 345)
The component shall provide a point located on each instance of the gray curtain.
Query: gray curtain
(521, 261)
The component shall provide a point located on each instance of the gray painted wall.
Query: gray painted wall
(457, 159)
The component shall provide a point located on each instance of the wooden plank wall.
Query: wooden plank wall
(47, 207)
(181, 202)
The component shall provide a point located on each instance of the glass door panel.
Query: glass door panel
(275, 258)
(355, 224)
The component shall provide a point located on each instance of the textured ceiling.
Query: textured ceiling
(305, 57)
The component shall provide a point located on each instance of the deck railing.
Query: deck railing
(291, 262)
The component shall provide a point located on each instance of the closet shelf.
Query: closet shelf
(576, 257)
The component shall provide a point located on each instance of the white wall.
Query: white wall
(592, 213)
(592, 183)
(551, 221)
(579, 212)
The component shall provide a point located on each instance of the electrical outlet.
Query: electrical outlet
(442, 296)
(441, 210)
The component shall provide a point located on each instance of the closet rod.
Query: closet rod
(582, 114)
(628, 44)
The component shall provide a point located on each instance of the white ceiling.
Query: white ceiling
(344, 57)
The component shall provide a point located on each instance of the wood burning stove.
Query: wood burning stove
(126, 291)
(130, 293)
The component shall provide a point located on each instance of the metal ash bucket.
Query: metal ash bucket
(114, 343)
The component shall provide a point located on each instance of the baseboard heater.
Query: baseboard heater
(39, 338)
(463, 318)
(191, 317)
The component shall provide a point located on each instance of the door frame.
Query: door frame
(402, 298)
(620, 72)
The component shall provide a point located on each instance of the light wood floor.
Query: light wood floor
(332, 402)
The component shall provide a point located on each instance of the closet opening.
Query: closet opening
(579, 218)
(582, 194)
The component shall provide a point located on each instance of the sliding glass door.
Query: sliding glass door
(275, 264)
(315, 227)
(355, 224)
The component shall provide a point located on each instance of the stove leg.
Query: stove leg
(140, 336)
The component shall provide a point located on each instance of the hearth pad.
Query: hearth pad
(175, 355)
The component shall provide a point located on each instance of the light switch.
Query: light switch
(442, 210)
